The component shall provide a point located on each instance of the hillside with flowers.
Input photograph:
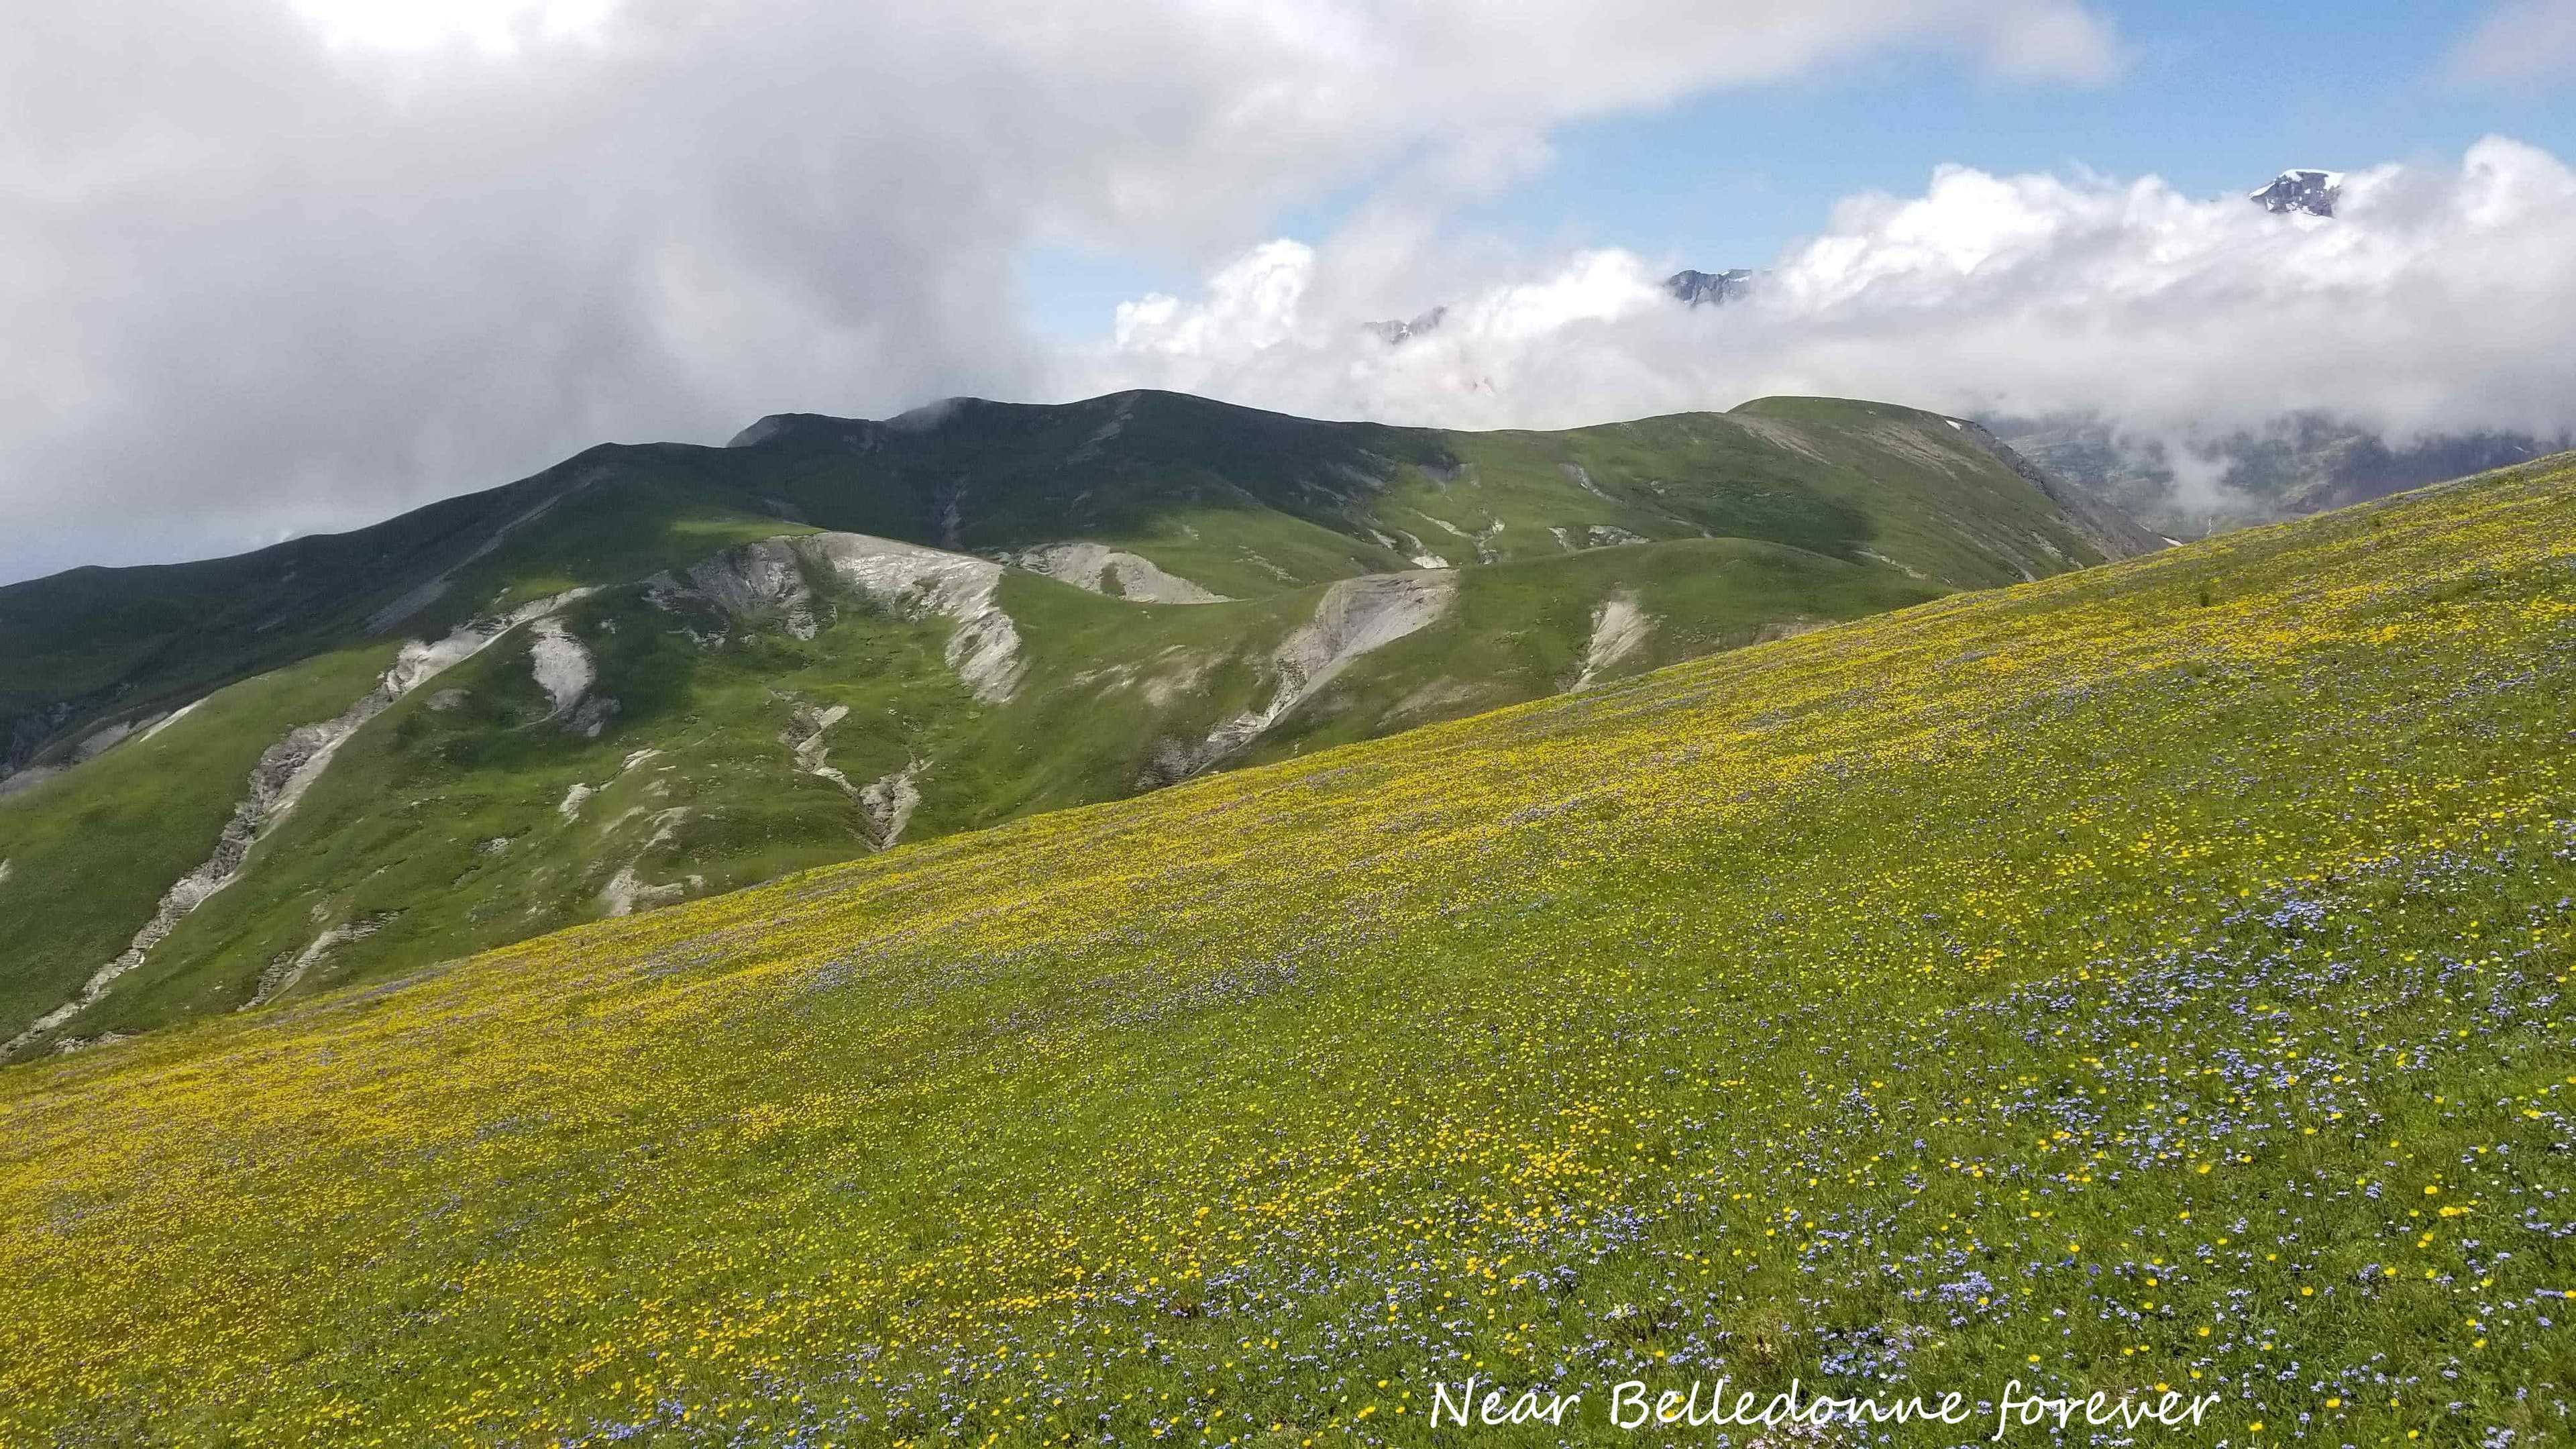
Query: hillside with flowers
(2146, 979)
(656, 673)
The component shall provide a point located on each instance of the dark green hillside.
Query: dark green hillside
(1829, 476)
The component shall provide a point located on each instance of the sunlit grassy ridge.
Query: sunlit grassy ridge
(2151, 975)
(454, 821)
(440, 831)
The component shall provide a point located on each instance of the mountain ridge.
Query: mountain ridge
(389, 572)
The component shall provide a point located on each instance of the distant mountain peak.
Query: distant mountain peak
(1697, 288)
(1394, 330)
(865, 434)
(762, 431)
(1688, 286)
(2314, 192)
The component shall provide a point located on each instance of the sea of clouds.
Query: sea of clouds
(2435, 299)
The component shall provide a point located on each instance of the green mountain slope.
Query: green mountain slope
(2147, 976)
(95, 648)
(660, 672)
(1242, 501)
(1212, 492)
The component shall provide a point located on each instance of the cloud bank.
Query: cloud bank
(272, 265)
(276, 265)
(2436, 299)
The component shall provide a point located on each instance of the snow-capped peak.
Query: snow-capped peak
(1397, 330)
(1711, 288)
(2313, 192)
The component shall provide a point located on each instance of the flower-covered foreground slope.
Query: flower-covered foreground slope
(2151, 976)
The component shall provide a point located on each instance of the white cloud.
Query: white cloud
(271, 264)
(1250, 305)
(2519, 42)
(496, 25)
(2437, 299)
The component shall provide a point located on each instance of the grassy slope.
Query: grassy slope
(1830, 476)
(2113, 982)
(91, 853)
(443, 829)
(122, 643)
(440, 829)
(1518, 630)
(1819, 505)
(1245, 502)
(92, 850)
(134, 639)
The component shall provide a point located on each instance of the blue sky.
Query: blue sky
(2214, 97)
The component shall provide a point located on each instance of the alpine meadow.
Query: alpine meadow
(2148, 979)
(655, 672)
(1287, 724)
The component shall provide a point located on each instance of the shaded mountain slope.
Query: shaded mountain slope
(2207, 482)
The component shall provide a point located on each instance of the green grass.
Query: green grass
(612, 532)
(1245, 502)
(90, 853)
(442, 828)
(439, 829)
(1518, 630)
(1245, 553)
(437, 832)
(99, 644)
(2153, 975)
(96, 642)
(1823, 475)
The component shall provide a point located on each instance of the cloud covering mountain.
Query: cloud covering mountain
(268, 266)
(2433, 300)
